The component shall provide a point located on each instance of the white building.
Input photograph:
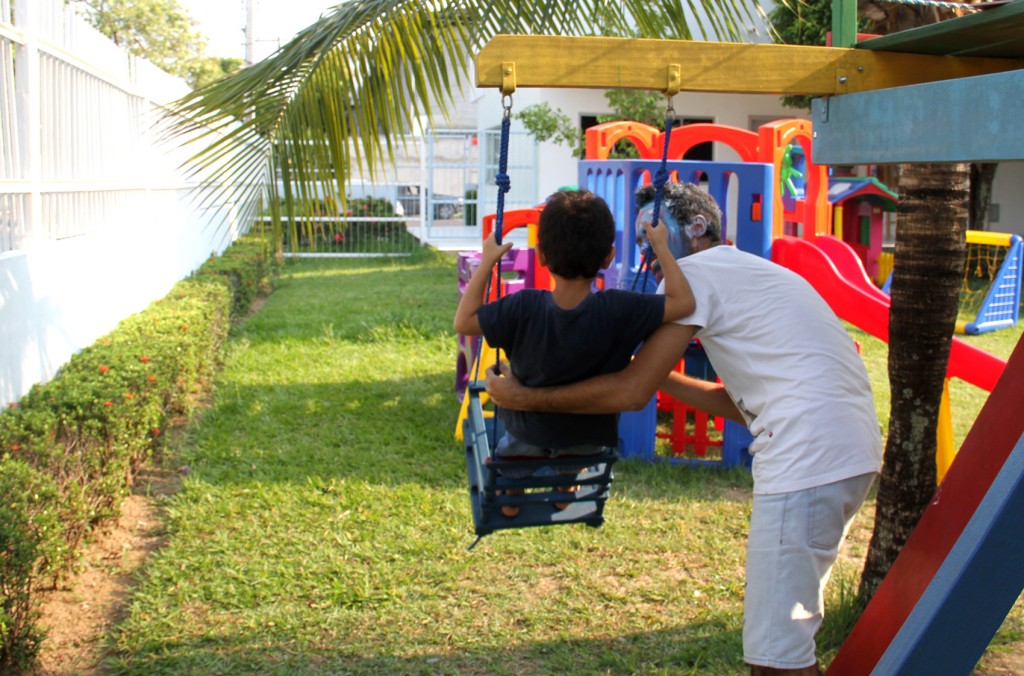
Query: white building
(556, 167)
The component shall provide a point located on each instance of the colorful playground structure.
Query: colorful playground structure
(994, 265)
(960, 571)
(778, 204)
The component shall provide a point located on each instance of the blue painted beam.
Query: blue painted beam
(972, 591)
(970, 119)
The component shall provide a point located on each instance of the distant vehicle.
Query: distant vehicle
(445, 206)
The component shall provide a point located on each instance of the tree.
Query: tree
(544, 124)
(208, 70)
(807, 22)
(160, 31)
(343, 90)
(983, 175)
(927, 272)
(801, 22)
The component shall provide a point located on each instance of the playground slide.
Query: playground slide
(835, 271)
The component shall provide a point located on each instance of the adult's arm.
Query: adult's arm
(702, 394)
(626, 390)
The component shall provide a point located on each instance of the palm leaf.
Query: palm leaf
(343, 90)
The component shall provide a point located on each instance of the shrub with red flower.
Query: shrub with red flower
(71, 443)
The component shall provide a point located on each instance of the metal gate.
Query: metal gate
(436, 192)
(458, 188)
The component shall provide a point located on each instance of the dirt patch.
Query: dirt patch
(1003, 663)
(80, 614)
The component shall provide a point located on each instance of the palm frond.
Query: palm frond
(342, 92)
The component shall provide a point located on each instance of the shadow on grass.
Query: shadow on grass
(698, 648)
(385, 432)
(365, 325)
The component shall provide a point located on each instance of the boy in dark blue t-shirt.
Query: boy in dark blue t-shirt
(571, 333)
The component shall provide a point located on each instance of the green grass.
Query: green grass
(966, 400)
(323, 524)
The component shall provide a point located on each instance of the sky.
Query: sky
(222, 22)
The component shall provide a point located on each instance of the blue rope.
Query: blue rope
(660, 179)
(502, 181)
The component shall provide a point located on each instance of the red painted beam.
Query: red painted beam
(998, 428)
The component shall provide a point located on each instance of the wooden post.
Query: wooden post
(844, 23)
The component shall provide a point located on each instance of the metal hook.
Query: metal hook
(508, 77)
(675, 79)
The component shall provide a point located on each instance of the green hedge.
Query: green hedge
(70, 448)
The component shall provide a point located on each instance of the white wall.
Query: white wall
(96, 219)
(557, 167)
(61, 296)
(1009, 197)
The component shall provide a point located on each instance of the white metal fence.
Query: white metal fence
(461, 166)
(96, 220)
(79, 149)
(443, 183)
(437, 191)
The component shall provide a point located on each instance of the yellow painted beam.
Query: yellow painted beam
(637, 63)
(989, 238)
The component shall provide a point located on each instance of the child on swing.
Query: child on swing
(571, 333)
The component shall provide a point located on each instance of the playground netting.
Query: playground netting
(990, 293)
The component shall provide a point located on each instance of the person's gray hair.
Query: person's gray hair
(684, 201)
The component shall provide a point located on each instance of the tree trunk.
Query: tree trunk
(927, 273)
(982, 176)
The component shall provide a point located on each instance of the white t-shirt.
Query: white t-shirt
(790, 367)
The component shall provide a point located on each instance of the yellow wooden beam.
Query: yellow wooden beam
(636, 63)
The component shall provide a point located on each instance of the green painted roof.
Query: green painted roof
(994, 32)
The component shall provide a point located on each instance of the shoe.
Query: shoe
(510, 511)
(559, 506)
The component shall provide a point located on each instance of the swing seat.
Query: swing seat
(489, 486)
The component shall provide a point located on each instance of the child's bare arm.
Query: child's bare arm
(466, 321)
(679, 300)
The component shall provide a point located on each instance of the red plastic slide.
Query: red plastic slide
(835, 271)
